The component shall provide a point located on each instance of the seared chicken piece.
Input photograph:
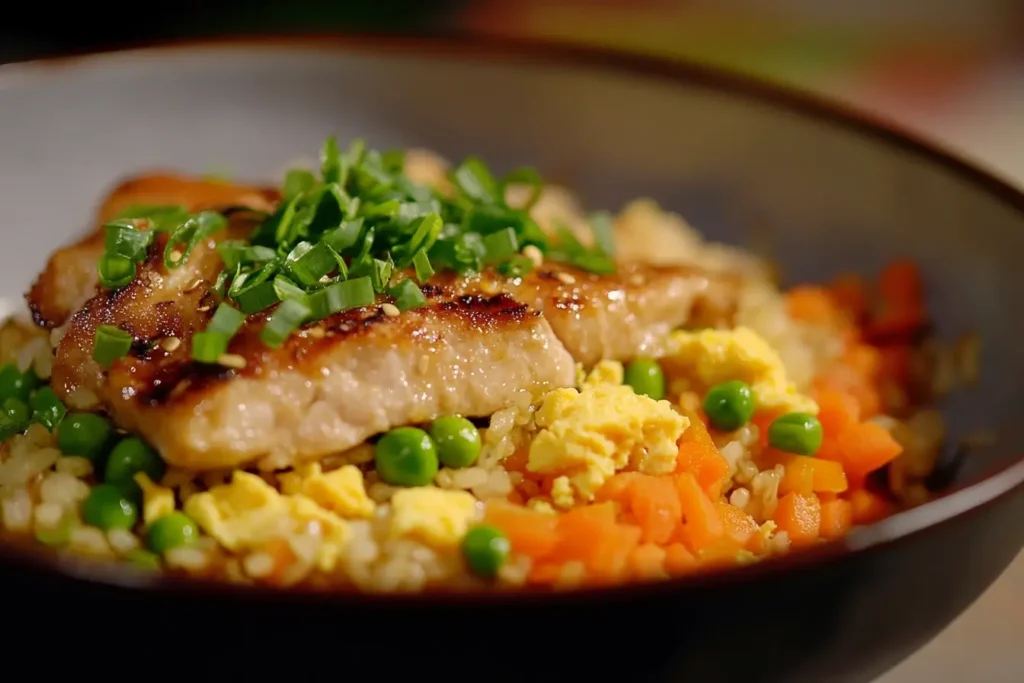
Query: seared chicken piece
(70, 279)
(340, 381)
(478, 343)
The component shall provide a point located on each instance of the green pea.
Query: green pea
(108, 508)
(15, 409)
(457, 441)
(485, 549)
(171, 531)
(131, 456)
(646, 378)
(798, 433)
(406, 457)
(729, 405)
(84, 434)
(17, 384)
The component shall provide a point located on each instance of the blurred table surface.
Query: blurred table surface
(984, 645)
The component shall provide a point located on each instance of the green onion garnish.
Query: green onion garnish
(500, 245)
(517, 266)
(408, 296)
(525, 175)
(344, 236)
(47, 409)
(190, 233)
(109, 344)
(475, 181)
(421, 263)
(161, 217)
(283, 321)
(340, 296)
(286, 289)
(226, 320)
(115, 270)
(296, 182)
(254, 291)
(308, 263)
(124, 239)
(236, 252)
(208, 346)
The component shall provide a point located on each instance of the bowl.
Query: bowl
(833, 190)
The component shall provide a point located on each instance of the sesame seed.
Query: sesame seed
(203, 309)
(195, 285)
(535, 255)
(390, 310)
(258, 565)
(316, 332)
(231, 360)
(180, 388)
(566, 279)
(169, 344)
(176, 255)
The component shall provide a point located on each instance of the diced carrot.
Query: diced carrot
(515, 498)
(609, 557)
(836, 410)
(900, 282)
(679, 560)
(762, 420)
(868, 507)
(545, 572)
(740, 527)
(530, 533)
(799, 516)
(865, 447)
(864, 359)
(654, 503)
(811, 304)
(701, 524)
(829, 477)
(799, 476)
(850, 294)
(517, 461)
(836, 518)
(699, 456)
(581, 528)
(647, 561)
(617, 486)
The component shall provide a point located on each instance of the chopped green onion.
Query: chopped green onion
(517, 266)
(254, 291)
(330, 161)
(344, 236)
(500, 245)
(286, 289)
(592, 262)
(283, 321)
(190, 233)
(226, 320)
(408, 296)
(341, 296)
(381, 273)
(475, 181)
(109, 344)
(425, 231)
(297, 181)
(126, 240)
(47, 409)
(208, 346)
(9, 428)
(421, 263)
(115, 270)
(236, 252)
(388, 209)
(220, 287)
(308, 263)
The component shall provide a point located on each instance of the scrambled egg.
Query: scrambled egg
(605, 372)
(341, 491)
(587, 435)
(157, 501)
(248, 512)
(709, 357)
(438, 517)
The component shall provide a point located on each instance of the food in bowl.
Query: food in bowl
(396, 375)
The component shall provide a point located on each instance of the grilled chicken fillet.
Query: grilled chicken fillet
(478, 343)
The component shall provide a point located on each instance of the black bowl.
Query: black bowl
(833, 190)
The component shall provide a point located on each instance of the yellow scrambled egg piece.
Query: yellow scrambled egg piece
(588, 435)
(435, 516)
(709, 357)
(605, 372)
(248, 512)
(341, 490)
(157, 501)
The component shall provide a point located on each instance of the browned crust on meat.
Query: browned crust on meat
(70, 273)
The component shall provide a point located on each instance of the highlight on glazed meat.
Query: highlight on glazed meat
(393, 374)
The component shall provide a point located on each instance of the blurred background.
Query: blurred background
(953, 69)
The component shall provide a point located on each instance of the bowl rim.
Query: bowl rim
(964, 500)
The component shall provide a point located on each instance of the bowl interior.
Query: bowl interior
(830, 195)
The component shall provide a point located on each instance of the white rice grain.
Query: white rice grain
(122, 541)
(74, 465)
(16, 510)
